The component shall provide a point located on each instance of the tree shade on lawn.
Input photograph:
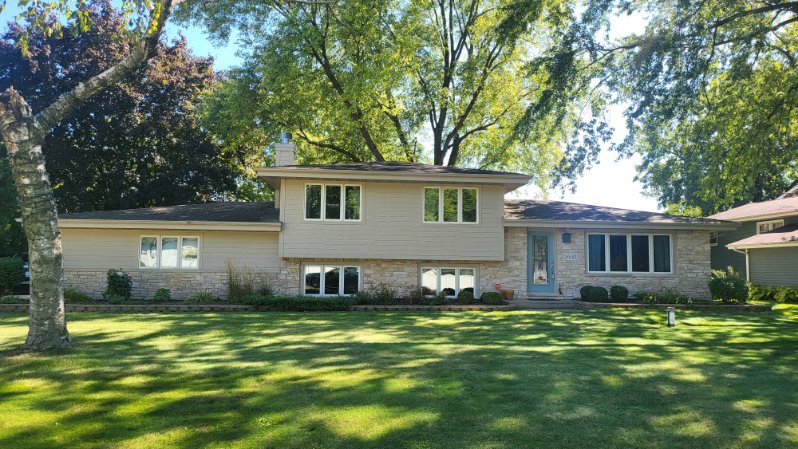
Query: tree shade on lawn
(598, 379)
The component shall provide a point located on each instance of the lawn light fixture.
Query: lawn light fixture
(671, 316)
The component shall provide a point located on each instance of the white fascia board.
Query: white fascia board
(164, 224)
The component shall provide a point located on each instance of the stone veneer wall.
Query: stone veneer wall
(147, 282)
(690, 275)
(691, 263)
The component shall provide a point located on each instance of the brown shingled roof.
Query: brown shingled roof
(781, 206)
(240, 212)
(780, 236)
(564, 211)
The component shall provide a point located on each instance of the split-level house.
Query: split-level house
(765, 246)
(335, 229)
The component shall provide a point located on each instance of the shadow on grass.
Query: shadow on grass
(498, 380)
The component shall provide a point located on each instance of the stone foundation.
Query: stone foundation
(147, 282)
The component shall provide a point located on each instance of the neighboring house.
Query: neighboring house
(765, 246)
(334, 229)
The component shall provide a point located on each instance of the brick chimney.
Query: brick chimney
(284, 151)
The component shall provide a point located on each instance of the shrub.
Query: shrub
(72, 295)
(464, 297)
(439, 299)
(594, 294)
(415, 295)
(491, 298)
(619, 293)
(301, 303)
(240, 282)
(120, 285)
(202, 298)
(667, 297)
(377, 294)
(645, 297)
(12, 300)
(728, 286)
(777, 294)
(115, 299)
(12, 273)
(265, 289)
(162, 295)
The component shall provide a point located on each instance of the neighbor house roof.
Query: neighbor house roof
(565, 214)
(764, 209)
(392, 171)
(783, 236)
(221, 215)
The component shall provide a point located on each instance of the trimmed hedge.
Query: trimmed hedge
(592, 293)
(301, 303)
(492, 299)
(619, 293)
(464, 297)
(379, 294)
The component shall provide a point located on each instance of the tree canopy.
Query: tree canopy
(136, 145)
(711, 89)
(383, 79)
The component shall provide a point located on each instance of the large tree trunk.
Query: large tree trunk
(23, 134)
(23, 142)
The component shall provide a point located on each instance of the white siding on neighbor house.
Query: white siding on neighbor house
(391, 226)
(774, 266)
(102, 249)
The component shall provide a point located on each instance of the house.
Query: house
(334, 229)
(765, 246)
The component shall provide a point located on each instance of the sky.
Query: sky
(610, 183)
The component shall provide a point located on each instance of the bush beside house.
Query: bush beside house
(12, 274)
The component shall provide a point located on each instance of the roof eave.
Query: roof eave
(774, 216)
(604, 224)
(272, 176)
(76, 223)
(733, 246)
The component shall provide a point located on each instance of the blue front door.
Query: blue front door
(540, 247)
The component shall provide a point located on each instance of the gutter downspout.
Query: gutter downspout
(747, 265)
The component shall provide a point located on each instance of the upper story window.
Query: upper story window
(332, 202)
(629, 253)
(767, 226)
(169, 252)
(450, 204)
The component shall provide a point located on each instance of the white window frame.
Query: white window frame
(628, 253)
(456, 269)
(159, 255)
(341, 267)
(440, 205)
(714, 237)
(772, 224)
(323, 214)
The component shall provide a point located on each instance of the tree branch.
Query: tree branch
(68, 101)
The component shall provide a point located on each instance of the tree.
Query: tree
(382, 79)
(23, 134)
(137, 145)
(12, 238)
(712, 88)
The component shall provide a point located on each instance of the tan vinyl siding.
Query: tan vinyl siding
(774, 266)
(118, 248)
(391, 226)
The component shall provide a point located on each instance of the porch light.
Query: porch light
(671, 316)
(566, 237)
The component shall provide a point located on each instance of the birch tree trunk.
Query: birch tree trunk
(23, 134)
(47, 328)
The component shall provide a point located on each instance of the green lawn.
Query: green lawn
(593, 379)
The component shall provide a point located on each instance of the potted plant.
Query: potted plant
(507, 294)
